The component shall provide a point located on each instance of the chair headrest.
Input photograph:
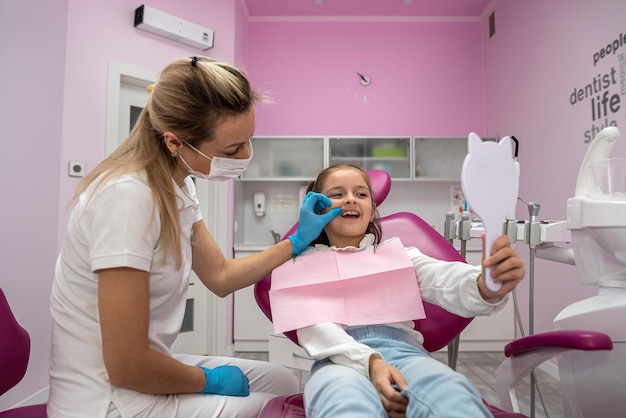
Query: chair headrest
(381, 184)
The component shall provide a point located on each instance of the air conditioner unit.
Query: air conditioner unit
(164, 24)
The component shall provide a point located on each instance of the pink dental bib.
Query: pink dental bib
(362, 287)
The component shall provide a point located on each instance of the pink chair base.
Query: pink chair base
(293, 407)
(14, 356)
(284, 407)
(31, 411)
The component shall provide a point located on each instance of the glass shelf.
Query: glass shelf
(392, 154)
(301, 158)
(439, 158)
(285, 158)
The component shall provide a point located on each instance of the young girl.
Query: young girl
(383, 370)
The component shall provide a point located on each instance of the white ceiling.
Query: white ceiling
(366, 8)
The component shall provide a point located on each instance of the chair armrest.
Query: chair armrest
(576, 340)
(526, 353)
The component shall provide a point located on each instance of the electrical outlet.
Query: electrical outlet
(76, 169)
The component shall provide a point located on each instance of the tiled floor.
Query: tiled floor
(480, 368)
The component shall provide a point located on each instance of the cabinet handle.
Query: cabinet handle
(302, 356)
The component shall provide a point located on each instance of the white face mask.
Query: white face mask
(221, 168)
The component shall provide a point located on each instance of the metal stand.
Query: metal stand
(532, 235)
(450, 232)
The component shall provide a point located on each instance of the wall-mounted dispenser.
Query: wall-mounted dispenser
(259, 203)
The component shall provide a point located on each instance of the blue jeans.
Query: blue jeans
(434, 391)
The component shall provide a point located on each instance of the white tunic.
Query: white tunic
(451, 285)
(117, 226)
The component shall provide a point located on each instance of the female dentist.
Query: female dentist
(134, 235)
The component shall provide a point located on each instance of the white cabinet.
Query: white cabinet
(251, 328)
(277, 158)
(193, 337)
(438, 158)
(299, 158)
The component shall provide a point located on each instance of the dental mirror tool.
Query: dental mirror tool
(490, 184)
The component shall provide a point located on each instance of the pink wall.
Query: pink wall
(542, 51)
(435, 78)
(99, 32)
(426, 77)
(32, 46)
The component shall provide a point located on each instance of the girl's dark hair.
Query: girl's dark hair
(317, 185)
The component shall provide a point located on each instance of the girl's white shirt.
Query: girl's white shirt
(451, 285)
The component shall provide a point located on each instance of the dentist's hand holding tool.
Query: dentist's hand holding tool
(312, 221)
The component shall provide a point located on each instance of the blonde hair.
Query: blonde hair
(191, 98)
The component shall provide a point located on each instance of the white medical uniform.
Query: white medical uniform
(119, 226)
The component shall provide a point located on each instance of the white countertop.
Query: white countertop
(251, 247)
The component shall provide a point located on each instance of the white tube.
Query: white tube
(512, 213)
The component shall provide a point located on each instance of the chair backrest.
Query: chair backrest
(439, 327)
(14, 347)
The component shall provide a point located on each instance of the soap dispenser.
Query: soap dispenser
(259, 203)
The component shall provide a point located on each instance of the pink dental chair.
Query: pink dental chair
(14, 355)
(441, 327)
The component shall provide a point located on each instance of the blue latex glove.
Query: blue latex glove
(311, 222)
(226, 380)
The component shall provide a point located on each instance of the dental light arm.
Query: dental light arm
(449, 227)
(532, 233)
(511, 216)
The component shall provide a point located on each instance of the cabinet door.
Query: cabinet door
(392, 154)
(285, 158)
(193, 337)
(251, 328)
(439, 158)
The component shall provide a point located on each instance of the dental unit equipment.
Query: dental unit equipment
(490, 181)
(591, 381)
(597, 221)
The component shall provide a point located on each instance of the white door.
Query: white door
(132, 93)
